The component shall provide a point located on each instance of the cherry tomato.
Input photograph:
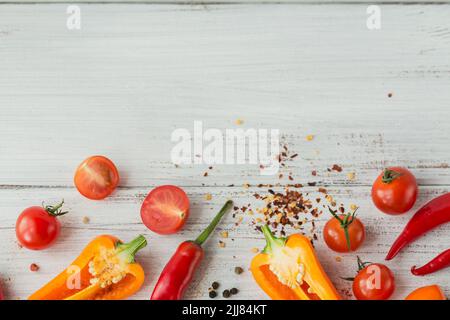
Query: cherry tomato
(38, 228)
(165, 209)
(344, 233)
(96, 177)
(374, 281)
(395, 191)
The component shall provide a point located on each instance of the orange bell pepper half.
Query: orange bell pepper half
(288, 269)
(433, 292)
(105, 270)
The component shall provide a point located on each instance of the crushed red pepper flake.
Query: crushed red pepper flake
(285, 156)
(336, 168)
(34, 267)
(286, 209)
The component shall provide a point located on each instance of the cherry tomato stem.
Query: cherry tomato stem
(56, 210)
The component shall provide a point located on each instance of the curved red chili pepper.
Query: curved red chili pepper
(431, 215)
(178, 272)
(180, 269)
(1, 293)
(440, 262)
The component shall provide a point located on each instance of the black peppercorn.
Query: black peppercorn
(238, 270)
(212, 294)
(226, 293)
(215, 285)
(234, 291)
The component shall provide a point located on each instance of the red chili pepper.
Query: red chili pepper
(178, 272)
(2, 297)
(440, 262)
(431, 215)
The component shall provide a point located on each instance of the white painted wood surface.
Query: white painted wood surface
(259, 2)
(134, 73)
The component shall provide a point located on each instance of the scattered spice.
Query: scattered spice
(338, 259)
(215, 285)
(353, 207)
(314, 173)
(351, 176)
(285, 156)
(239, 122)
(234, 291)
(86, 220)
(288, 208)
(34, 267)
(336, 168)
(205, 174)
(208, 196)
(226, 293)
(239, 220)
(212, 294)
(255, 250)
(222, 244)
(390, 95)
(238, 270)
(224, 234)
(309, 137)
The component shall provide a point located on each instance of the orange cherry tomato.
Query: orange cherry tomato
(165, 209)
(432, 292)
(334, 233)
(96, 177)
(374, 281)
(395, 191)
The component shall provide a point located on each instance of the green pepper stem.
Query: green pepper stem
(205, 234)
(129, 250)
(271, 240)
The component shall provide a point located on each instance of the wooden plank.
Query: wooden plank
(119, 215)
(133, 74)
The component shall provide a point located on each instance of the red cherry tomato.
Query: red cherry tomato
(336, 238)
(38, 228)
(395, 191)
(165, 209)
(374, 282)
(96, 177)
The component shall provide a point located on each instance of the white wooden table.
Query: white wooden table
(135, 72)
